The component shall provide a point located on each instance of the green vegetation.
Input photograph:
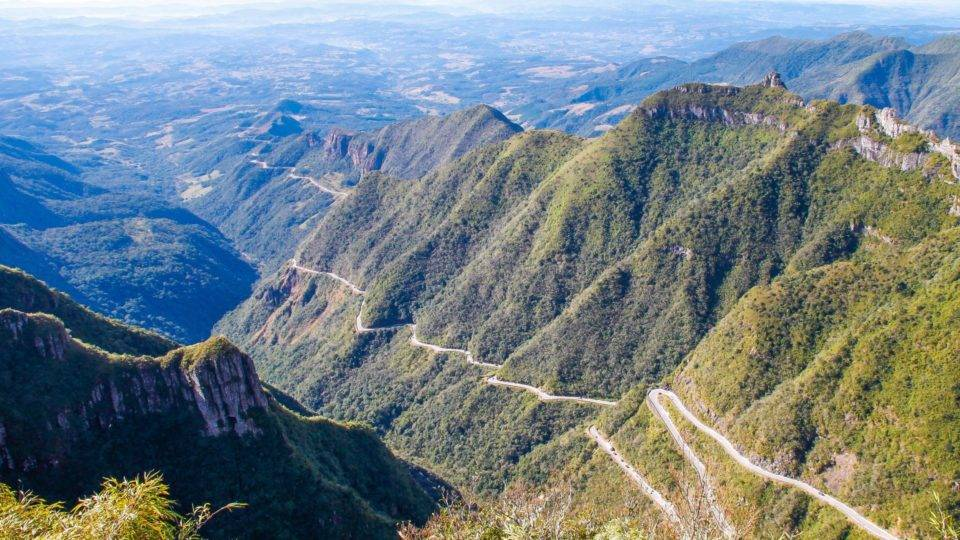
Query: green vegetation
(72, 414)
(911, 142)
(601, 267)
(128, 509)
(855, 67)
(126, 254)
(20, 291)
(267, 213)
(523, 513)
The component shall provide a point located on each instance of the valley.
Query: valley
(427, 271)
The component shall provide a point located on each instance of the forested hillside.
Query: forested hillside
(125, 253)
(601, 268)
(267, 189)
(856, 67)
(73, 412)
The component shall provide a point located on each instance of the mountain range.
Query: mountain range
(269, 191)
(130, 254)
(719, 239)
(857, 67)
(664, 298)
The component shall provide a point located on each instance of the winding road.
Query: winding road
(653, 401)
(494, 381)
(709, 494)
(665, 506)
(316, 183)
(417, 342)
(855, 517)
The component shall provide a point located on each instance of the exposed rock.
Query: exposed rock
(713, 114)
(949, 150)
(773, 80)
(886, 122)
(681, 251)
(341, 144)
(874, 232)
(893, 126)
(955, 207)
(842, 470)
(213, 382)
(878, 152)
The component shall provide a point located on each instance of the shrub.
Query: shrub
(138, 508)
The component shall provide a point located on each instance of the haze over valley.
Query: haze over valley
(480, 270)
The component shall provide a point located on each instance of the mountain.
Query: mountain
(128, 254)
(854, 67)
(268, 192)
(74, 412)
(602, 268)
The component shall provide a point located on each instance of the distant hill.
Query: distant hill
(856, 67)
(72, 412)
(736, 244)
(131, 255)
(273, 190)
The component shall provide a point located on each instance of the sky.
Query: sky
(165, 9)
(945, 4)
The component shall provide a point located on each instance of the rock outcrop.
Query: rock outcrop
(885, 123)
(212, 383)
(357, 148)
(699, 109)
(773, 80)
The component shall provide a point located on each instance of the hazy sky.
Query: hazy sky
(470, 3)
(161, 9)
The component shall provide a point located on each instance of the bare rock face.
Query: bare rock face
(212, 384)
(878, 152)
(773, 80)
(697, 110)
(714, 114)
(886, 122)
(357, 148)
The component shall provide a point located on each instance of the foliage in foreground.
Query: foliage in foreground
(138, 508)
(522, 513)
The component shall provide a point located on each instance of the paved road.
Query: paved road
(666, 506)
(353, 288)
(659, 411)
(728, 447)
(316, 183)
(361, 329)
(415, 341)
(711, 497)
(493, 380)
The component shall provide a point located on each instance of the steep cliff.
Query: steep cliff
(23, 292)
(72, 413)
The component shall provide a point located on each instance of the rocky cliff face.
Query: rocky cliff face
(357, 148)
(884, 122)
(212, 382)
(710, 108)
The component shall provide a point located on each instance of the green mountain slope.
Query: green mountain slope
(23, 292)
(916, 81)
(270, 191)
(130, 255)
(842, 375)
(72, 413)
(591, 268)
